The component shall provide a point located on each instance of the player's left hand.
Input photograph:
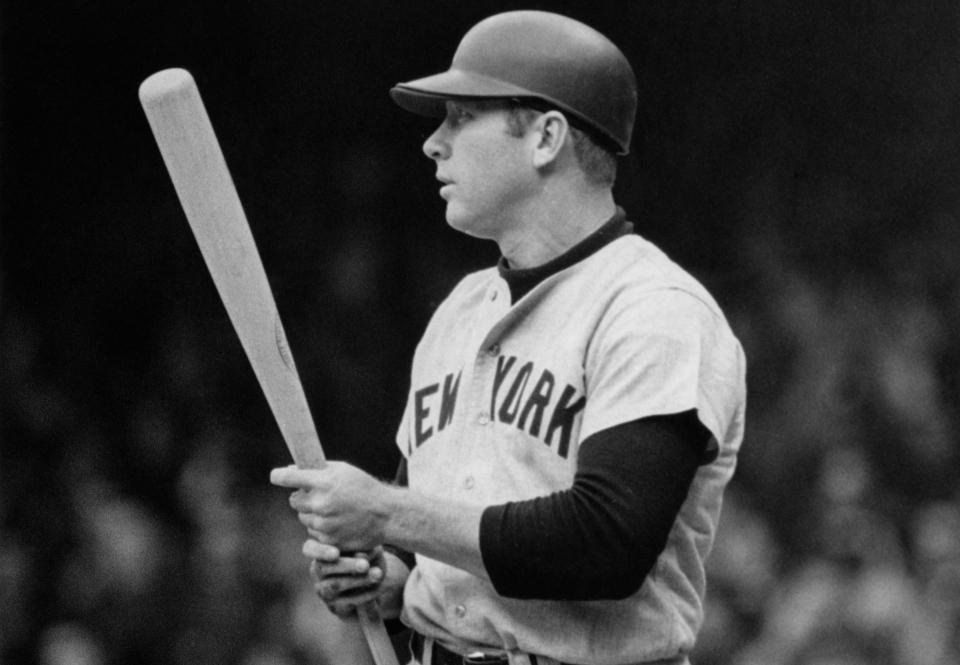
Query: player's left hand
(339, 504)
(348, 582)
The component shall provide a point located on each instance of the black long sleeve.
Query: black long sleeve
(600, 538)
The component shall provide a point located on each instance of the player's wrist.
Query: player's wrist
(444, 530)
(412, 522)
(393, 500)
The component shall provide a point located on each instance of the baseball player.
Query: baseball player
(574, 412)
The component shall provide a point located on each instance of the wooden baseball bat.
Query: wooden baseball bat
(190, 150)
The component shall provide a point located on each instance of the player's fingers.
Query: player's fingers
(323, 552)
(297, 500)
(375, 556)
(344, 566)
(320, 537)
(349, 606)
(285, 476)
(346, 590)
(313, 523)
(297, 478)
(343, 608)
(369, 555)
(303, 501)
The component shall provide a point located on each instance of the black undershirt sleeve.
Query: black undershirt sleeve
(600, 538)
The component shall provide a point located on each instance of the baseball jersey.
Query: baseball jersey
(503, 393)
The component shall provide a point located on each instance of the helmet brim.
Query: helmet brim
(428, 96)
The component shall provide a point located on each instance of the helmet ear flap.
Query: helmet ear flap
(537, 57)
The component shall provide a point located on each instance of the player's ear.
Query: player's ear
(551, 130)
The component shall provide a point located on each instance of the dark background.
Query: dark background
(801, 159)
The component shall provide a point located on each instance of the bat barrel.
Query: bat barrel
(200, 176)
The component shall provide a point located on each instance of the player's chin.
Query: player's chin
(453, 215)
(459, 220)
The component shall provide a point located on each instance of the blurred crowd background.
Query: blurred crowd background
(801, 158)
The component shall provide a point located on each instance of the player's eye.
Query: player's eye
(457, 115)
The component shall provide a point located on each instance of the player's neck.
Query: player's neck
(558, 221)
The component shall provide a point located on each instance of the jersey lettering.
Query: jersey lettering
(421, 412)
(537, 402)
(503, 367)
(448, 399)
(510, 403)
(562, 419)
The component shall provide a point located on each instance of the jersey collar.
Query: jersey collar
(522, 280)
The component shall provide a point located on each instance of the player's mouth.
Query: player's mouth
(445, 186)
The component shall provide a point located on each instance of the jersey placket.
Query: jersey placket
(484, 353)
(477, 427)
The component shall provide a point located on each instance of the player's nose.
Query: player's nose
(436, 146)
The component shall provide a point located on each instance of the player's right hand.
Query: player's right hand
(345, 582)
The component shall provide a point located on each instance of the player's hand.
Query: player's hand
(339, 504)
(345, 583)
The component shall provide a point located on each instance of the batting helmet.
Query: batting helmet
(541, 56)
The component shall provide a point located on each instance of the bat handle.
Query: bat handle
(376, 635)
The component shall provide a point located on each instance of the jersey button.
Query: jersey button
(460, 611)
(493, 349)
(493, 295)
(483, 419)
(469, 482)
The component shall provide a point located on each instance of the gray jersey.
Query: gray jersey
(502, 395)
